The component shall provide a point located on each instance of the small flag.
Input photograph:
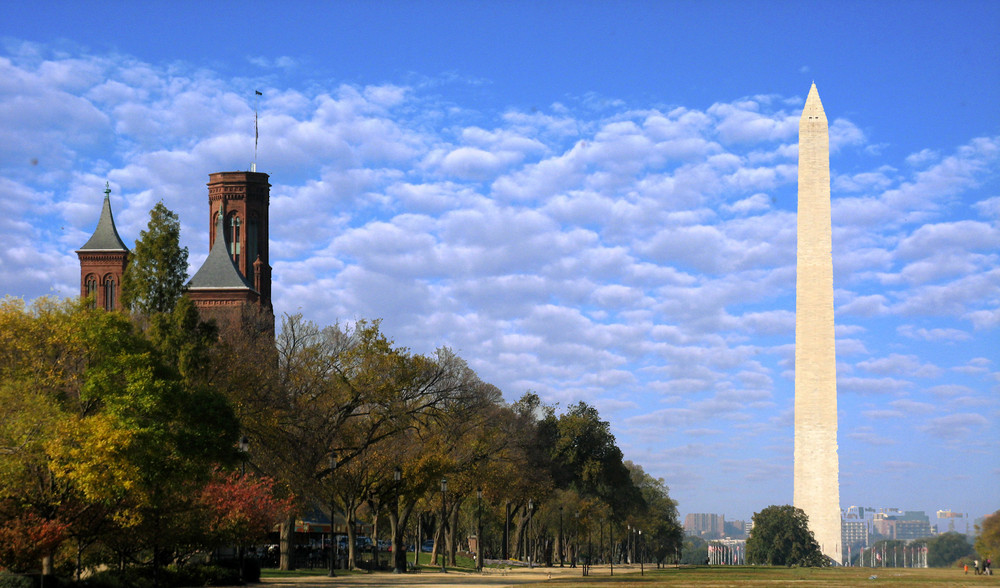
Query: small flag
(257, 92)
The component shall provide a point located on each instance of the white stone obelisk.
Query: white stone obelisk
(817, 478)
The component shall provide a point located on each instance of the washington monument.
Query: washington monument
(817, 484)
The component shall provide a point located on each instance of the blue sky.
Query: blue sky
(592, 200)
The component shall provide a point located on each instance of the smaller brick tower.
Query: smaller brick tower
(102, 261)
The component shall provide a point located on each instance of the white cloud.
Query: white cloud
(640, 259)
(954, 426)
(899, 365)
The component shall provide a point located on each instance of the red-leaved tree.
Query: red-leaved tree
(243, 508)
(24, 540)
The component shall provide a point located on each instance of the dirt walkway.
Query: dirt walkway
(435, 579)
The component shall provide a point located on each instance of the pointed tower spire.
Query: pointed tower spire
(105, 237)
(103, 259)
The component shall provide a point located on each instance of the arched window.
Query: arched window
(110, 292)
(234, 240)
(90, 283)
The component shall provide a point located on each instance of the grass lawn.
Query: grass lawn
(780, 576)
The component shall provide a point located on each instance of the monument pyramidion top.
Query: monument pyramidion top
(813, 110)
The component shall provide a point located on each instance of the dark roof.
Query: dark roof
(218, 271)
(105, 237)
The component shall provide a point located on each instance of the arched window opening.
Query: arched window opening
(110, 292)
(234, 239)
(90, 284)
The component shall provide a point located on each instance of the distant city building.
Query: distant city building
(954, 522)
(736, 529)
(856, 528)
(708, 526)
(905, 526)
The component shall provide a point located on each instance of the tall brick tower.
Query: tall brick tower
(817, 467)
(236, 276)
(244, 197)
(102, 261)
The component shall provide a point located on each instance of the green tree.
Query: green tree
(781, 537)
(585, 457)
(988, 538)
(99, 432)
(659, 519)
(695, 551)
(157, 269)
(947, 548)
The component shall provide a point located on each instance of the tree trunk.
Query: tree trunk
(453, 538)
(438, 549)
(420, 540)
(397, 525)
(351, 535)
(519, 550)
(287, 544)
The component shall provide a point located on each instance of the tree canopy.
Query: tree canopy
(947, 549)
(157, 270)
(99, 433)
(988, 536)
(781, 537)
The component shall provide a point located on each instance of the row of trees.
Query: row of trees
(120, 437)
(346, 418)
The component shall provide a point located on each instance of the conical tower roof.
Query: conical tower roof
(105, 237)
(218, 272)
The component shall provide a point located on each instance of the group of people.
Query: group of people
(985, 568)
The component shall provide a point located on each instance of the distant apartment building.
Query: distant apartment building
(910, 525)
(736, 529)
(706, 526)
(856, 527)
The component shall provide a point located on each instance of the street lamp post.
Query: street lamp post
(333, 538)
(397, 475)
(479, 529)
(444, 490)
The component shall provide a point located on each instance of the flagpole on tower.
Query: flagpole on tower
(256, 133)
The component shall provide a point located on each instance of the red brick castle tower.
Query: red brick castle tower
(234, 283)
(102, 261)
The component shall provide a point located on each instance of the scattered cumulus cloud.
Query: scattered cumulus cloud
(638, 258)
